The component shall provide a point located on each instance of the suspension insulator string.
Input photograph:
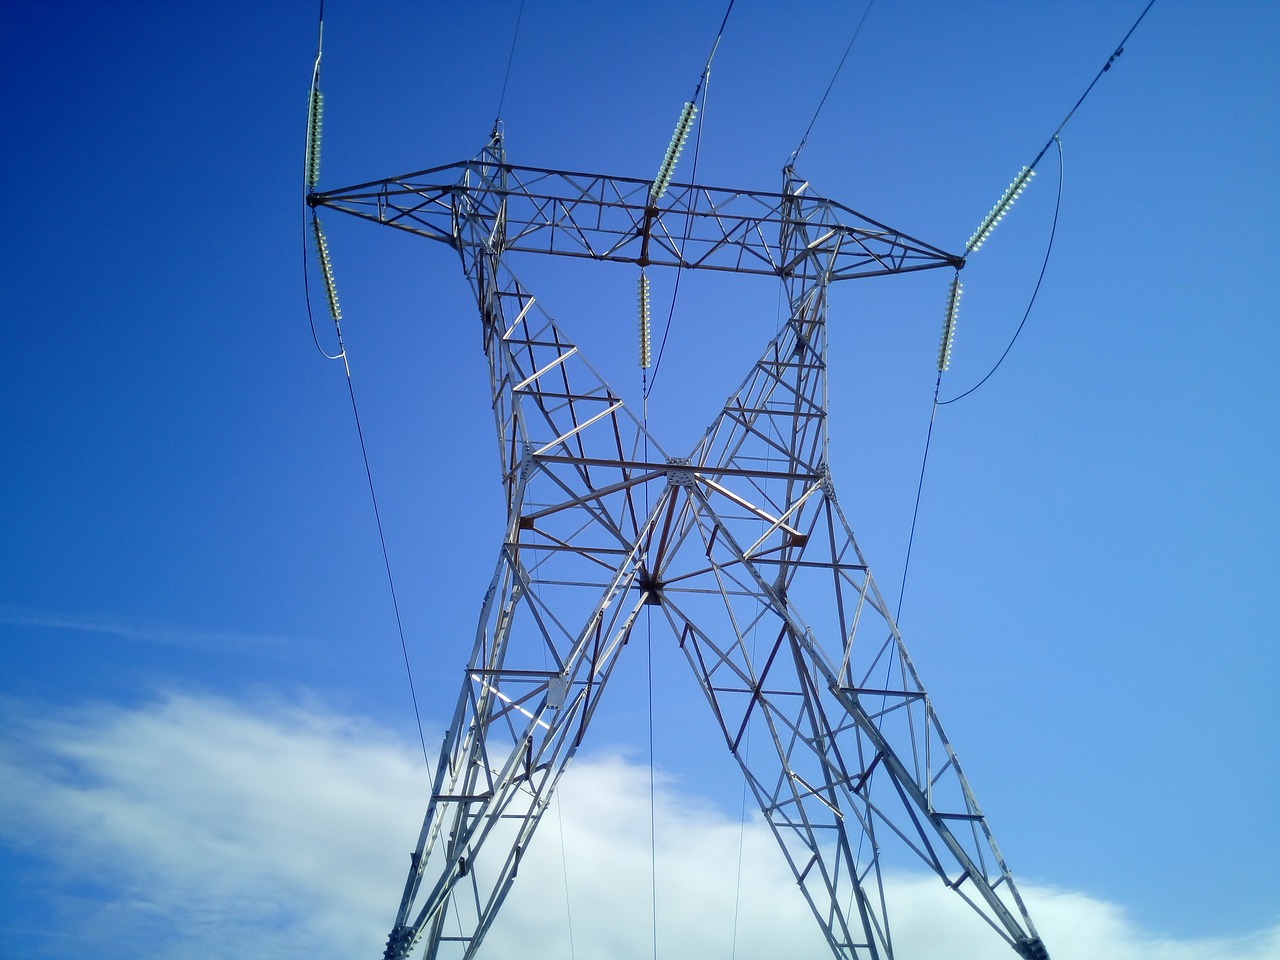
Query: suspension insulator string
(315, 118)
(949, 324)
(668, 165)
(675, 288)
(326, 270)
(1053, 231)
(310, 177)
(979, 236)
(644, 320)
(944, 362)
(1011, 194)
(685, 121)
(306, 289)
(684, 126)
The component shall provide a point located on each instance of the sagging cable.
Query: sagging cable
(644, 321)
(1053, 232)
(678, 138)
(1011, 194)
(326, 269)
(949, 324)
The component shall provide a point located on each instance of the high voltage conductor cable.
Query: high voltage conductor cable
(644, 320)
(1105, 67)
(306, 288)
(506, 76)
(840, 66)
(311, 176)
(979, 236)
(944, 362)
(386, 556)
(336, 313)
(1014, 190)
(915, 512)
(685, 121)
(706, 70)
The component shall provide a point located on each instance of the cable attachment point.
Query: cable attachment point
(326, 269)
(949, 324)
(644, 321)
(668, 166)
(997, 213)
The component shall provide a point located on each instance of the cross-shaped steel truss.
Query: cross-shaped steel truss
(741, 547)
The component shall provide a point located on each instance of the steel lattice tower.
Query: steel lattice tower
(740, 546)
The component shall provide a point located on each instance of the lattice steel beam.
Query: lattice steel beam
(611, 218)
(741, 547)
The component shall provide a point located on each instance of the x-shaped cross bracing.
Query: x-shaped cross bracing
(741, 548)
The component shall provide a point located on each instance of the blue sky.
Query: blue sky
(202, 682)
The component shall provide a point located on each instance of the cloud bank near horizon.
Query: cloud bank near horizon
(196, 825)
(135, 630)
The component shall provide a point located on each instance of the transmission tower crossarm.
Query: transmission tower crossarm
(600, 217)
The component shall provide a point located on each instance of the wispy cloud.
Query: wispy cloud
(135, 630)
(201, 826)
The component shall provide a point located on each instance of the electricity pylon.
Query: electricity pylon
(741, 547)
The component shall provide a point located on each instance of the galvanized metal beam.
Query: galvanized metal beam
(741, 547)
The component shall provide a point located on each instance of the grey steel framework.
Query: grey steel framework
(740, 546)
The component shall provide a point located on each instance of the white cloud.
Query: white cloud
(243, 832)
(138, 631)
(195, 826)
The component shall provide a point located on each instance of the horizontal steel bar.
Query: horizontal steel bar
(664, 467)
(600, 217)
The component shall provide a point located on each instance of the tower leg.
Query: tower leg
(801, 663)
(568, 586)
